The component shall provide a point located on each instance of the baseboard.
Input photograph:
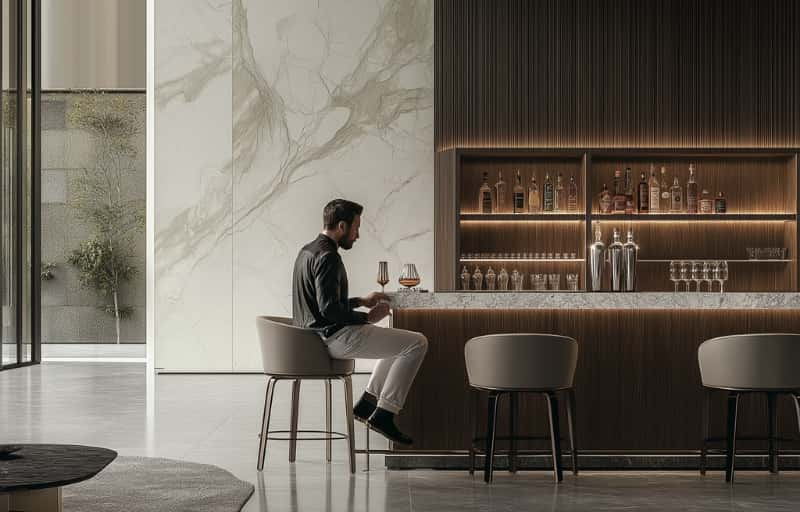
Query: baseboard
(100, 352)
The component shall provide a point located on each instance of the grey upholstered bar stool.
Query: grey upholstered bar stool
(749, 363)
(293, 353)
(515, 363)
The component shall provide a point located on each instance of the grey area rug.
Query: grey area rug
(133, 484)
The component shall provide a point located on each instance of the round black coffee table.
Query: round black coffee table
(31, 478)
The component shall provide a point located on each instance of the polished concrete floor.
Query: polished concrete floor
(214, 419)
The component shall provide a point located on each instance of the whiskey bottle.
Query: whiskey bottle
(655, 191)
(644, 195)
(500, 195)
(676, 201)
(560, 194)
(534, 199)
(619, 194)
(706, 203)
(691, 192)
(605, 200)
(630, 200)
(572, 195)
(720, 204)
(485, 196)
(519, 195)
(548, 193)
(666, 195)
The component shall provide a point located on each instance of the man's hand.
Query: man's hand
(371, 300)
(378, 313)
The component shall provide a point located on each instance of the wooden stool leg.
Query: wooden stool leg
(704, 431)
(772, 411)
(490, 431)
(295, 415)
(572, 417)
(730, 453)
(262, 445)
(328, 418)
(555, 436)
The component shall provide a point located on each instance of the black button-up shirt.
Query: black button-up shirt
(319, 290)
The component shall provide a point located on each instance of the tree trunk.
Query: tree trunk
(116, 314)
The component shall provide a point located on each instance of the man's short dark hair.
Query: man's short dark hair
(340, 210)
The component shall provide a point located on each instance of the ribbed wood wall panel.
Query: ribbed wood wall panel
(621, 73)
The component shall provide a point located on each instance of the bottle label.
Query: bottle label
(519, 201)
(720, 205)
(487, 202)
(548, 198)
(655, 196)
(644, 199)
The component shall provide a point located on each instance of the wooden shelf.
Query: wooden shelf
(512, 260)
(720, 259)
(537, 217)
(708, 217)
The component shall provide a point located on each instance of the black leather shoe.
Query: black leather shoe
(382, 422)
(364, 408)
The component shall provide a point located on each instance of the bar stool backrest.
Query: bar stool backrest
(290, 350)
(521, 361)
(751, 362)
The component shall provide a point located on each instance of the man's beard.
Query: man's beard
(346, 244)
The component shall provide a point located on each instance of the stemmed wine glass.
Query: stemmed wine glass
(697, 275)
(684, 274)
(723, 274)
(383, 274)
(707, 274)
(673, 274)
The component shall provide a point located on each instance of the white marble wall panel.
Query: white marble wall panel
(331, 99)
(265, 112)
(193, 185)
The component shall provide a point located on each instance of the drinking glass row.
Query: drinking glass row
(698, 272)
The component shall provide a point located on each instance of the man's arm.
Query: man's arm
(326, 278)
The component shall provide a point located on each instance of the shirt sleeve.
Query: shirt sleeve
(332, 308)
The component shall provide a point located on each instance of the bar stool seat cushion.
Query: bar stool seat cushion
(751, 362)
(287, 350)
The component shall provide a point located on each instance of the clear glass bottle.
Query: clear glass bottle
(500, 193)
(534, 199)
(560, 194)
(466, 277)
(490, 278)
(572, 195)
(502, 279)
(485, 203)
(619, 193)
(605, 200)
(706, 203)
(676, 198)
(644, 195)
(549, 191)
(691, 192)
(666, 195)
(720, 203)
(630, 200)
(477, 279)
(519, 195)
(615, 257)
(655, 191)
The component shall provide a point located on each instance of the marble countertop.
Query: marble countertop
(588, 300)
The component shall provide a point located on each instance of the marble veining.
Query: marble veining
(566, 300)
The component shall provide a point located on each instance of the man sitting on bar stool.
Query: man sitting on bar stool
(320, 302)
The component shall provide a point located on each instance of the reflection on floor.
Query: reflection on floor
(214, 419)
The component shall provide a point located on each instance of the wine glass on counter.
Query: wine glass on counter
(383, 274)
(409, 276)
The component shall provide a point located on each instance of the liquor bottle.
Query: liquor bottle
(619, 193)
(666, 195)
(560, 194)
(676, 201)
(519, 195)
(485, 196)
(720, 204)
(644, 195)
(534, 199)
(706, 203)
(466, 277)
(502, 279)
(655, 191)
(572, 195)
(477, 279)
(490, 279)
(691, 192)
(605, 200)
(500, 195)
(597, 259)
(629, 254)
(630, 200)
(615, 256)
(548, 193)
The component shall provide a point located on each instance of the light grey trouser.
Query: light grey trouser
(400, 355)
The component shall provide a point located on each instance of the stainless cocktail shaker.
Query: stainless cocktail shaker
(597, 260)
(615, 258)
(629, 253)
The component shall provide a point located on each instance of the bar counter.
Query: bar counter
(637, 381)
